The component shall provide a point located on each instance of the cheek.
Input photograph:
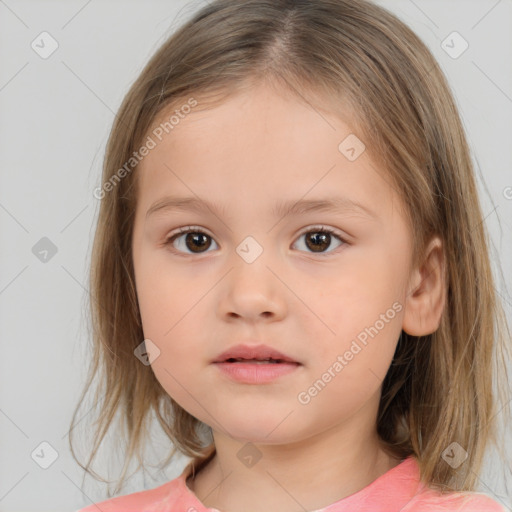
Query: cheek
(355, 295)
(168, 310)
(172, 304)
(157, 303)
(358, 314)
(164, 294)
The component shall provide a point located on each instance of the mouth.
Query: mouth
(257, 361)
(256, 371)
(254, 354)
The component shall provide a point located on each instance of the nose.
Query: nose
(252, 291)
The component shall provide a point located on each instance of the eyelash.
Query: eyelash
(194, 229)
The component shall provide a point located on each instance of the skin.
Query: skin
(255, 149)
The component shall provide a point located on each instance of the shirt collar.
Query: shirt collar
(390, 492)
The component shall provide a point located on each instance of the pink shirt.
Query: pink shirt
(397, 490)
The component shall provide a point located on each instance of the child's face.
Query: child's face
(200, 296)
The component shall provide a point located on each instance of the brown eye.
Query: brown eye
(319, 239)
(190, 241)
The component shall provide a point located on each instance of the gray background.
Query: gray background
(55, 117)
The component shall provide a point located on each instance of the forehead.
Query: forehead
(257, 105)
(252, 146)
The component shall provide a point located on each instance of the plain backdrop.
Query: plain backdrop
(56, 113)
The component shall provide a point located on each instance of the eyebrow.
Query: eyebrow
(281, 209)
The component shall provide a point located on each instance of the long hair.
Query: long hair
(439, 388)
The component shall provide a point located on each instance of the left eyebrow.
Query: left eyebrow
(281, 209)
(327, 205)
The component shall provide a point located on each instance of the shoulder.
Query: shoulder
(433, 501)
(171, 495)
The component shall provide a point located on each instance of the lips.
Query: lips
(253, 353)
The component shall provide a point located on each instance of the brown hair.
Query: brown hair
(439, 387)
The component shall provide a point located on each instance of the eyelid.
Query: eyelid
(189, 229)
(321, 227)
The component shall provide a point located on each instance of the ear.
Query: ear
(426, 294)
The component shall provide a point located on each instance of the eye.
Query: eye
(197, 241)
(320, 237)
(194, 239)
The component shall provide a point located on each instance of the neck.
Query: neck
(281, 477)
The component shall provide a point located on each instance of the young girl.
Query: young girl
(290, 269)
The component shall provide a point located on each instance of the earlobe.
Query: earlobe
(426, 295)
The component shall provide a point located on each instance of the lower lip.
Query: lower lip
(254, 373)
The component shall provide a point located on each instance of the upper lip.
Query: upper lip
(252, 352)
